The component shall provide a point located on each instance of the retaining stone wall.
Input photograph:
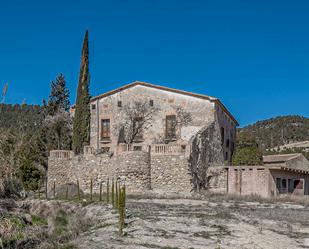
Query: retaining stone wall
(167, 173)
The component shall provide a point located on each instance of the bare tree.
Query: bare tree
(183, 117)
(137, 117)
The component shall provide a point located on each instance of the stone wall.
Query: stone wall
(248, 180)
(170, 173)
(218, 179)
(134, 166)
(167, 172)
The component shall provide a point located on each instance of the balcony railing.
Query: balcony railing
(89, 150)
(61, 154)
(166, 149)
(121, 148)
(154, 149)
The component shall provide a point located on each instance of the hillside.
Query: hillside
(284, 134)
(20, 118)
(278, 131)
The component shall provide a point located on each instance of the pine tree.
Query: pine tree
(57, 118)
(81, 122)
(59, 96)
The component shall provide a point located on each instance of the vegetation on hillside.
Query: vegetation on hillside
(24, 118)
(271, 133)
(28, 133)
(277, 131)
(247, 151)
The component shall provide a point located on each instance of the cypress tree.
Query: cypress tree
(81, 122)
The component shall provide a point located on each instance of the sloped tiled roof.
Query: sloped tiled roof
(282, 158)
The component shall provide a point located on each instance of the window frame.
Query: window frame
(170, 128)
(105, 135)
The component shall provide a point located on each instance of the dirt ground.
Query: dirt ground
(186, 223)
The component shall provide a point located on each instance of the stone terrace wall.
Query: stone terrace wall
(170, 173)
(161, 168)
(134, 166)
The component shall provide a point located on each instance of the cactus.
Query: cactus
(113, 193)
(67, 192)
(121, 209)
(100, 191)
(107, 190)
(90, 189)
(78, 190)
(117, 197)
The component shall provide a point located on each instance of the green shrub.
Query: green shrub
(12, 188)
(38, 220)
(60, 222)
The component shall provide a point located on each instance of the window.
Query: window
(119, 103)
(278, 183)
(151, 102)
(170, 129)
(290, 185)
(93, 107)
(227, 143)
(183, 148)
(283, 184)
(222, 135)
(105, 129)
(226, 156)
(138, 127)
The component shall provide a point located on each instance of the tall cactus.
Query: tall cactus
(117, 197)
(107, 190)
(91, 189)
(113, 193)
(54, 189)
(78, 190)
(122, 197)
(101, 191)
(67, 192)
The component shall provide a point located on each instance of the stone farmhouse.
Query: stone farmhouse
(182, 127)
(187, 143)
(107, 116)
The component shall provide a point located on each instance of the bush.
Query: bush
(12, 188)
(30, 175)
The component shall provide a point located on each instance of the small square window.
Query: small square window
(119, 103)
(151, 102)
(93, 107)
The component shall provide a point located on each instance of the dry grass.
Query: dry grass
(218, 197)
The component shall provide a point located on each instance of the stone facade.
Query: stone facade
(153, 161)
(203, 110)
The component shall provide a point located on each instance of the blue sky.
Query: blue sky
(253, 55)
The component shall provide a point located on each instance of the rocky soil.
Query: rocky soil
(185, 223)
(215, 222)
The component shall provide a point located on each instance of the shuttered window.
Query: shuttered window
(105, 129)
(170, 132)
